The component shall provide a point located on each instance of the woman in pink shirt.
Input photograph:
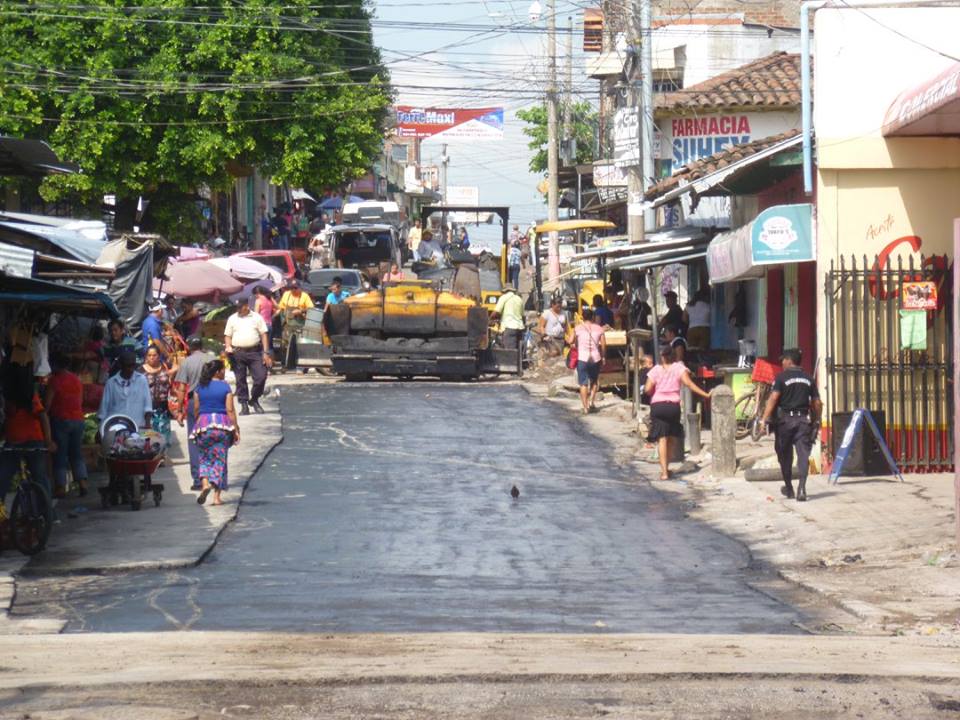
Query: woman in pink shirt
(591, 349)
(663, 385)
(265, 307)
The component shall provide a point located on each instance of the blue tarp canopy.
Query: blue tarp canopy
(56, 297)
(56, 241)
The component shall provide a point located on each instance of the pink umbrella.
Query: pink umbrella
(197, 279)
(247, 269)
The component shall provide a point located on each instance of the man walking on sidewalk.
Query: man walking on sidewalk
(248, 346)
(796, 401)
(188, 376)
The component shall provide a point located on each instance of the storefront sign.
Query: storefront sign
(695, 138)
(783, 234)
(607, 175)
(626, 138)
(451, 123)
(918, 295)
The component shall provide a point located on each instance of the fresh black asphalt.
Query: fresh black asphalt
(388, 508)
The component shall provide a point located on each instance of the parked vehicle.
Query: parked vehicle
(371, 211)
(282, 260)
(317, 283)
(370, 249)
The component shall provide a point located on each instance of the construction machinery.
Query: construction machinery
(417, 328)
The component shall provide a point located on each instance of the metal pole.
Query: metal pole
(571, 158)
(553, 169)
(444, 160)
(646, 107)
(654, 320)
(635, 181)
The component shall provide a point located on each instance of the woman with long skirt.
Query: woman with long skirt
(216, 429)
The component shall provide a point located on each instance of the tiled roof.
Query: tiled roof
(706, 166)
(771, 82)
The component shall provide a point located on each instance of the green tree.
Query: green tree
(584, 119)
(158, 99)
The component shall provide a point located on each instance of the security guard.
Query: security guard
(796, 401)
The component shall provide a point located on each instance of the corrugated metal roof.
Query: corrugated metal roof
(16, 261)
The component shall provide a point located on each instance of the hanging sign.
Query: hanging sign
(783, 234)
(626, 138)
(919, 296)
(449, 123)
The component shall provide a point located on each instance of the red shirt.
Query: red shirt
(67, 403)
(23, 424)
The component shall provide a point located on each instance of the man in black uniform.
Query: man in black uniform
(796, 401)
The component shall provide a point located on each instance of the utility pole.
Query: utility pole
(553, 161)
(646, 107)
(570, 155)
(635, 180)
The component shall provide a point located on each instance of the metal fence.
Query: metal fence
(870, 363)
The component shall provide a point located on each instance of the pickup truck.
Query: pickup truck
(282, 260)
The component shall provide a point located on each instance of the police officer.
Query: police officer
(796, 401)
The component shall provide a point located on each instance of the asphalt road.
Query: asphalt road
(387, 508)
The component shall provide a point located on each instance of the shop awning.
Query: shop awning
(659, 240)
(710, 173)
(779, 235)
(70, 244)
(930, 108)
(55, 297)
(30, 157)
(691, 246)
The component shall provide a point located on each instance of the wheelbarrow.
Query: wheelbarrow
(130, 481)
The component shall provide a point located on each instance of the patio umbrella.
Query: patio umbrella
(246, 269)
(197, 279)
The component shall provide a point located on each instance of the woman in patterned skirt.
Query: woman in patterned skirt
(216, 429)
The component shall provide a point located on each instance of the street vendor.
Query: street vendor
(127, 393)
(26, 428)
(118, 343)
(294, 305)
(188, 321)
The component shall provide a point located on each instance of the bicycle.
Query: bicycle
(31, 514)
(749, 407)
(749, 411)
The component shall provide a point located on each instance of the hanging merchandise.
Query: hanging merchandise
(41, 355)
(21, 351)
(913, 329)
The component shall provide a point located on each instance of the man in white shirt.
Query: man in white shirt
(245, 338)
(127, 393)
(553, 327)
(429, 250)
(414, 235)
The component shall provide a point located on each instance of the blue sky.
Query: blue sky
(498, 69)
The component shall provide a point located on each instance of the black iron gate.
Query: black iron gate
(885, 357)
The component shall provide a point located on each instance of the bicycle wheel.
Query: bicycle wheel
(30, 518)
(745, 411)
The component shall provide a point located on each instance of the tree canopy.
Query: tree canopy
(168, 94)
(584, 119)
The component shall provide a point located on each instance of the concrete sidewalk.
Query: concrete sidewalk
(178, 533)
(881, 551)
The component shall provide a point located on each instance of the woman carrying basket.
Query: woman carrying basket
(216, 429)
